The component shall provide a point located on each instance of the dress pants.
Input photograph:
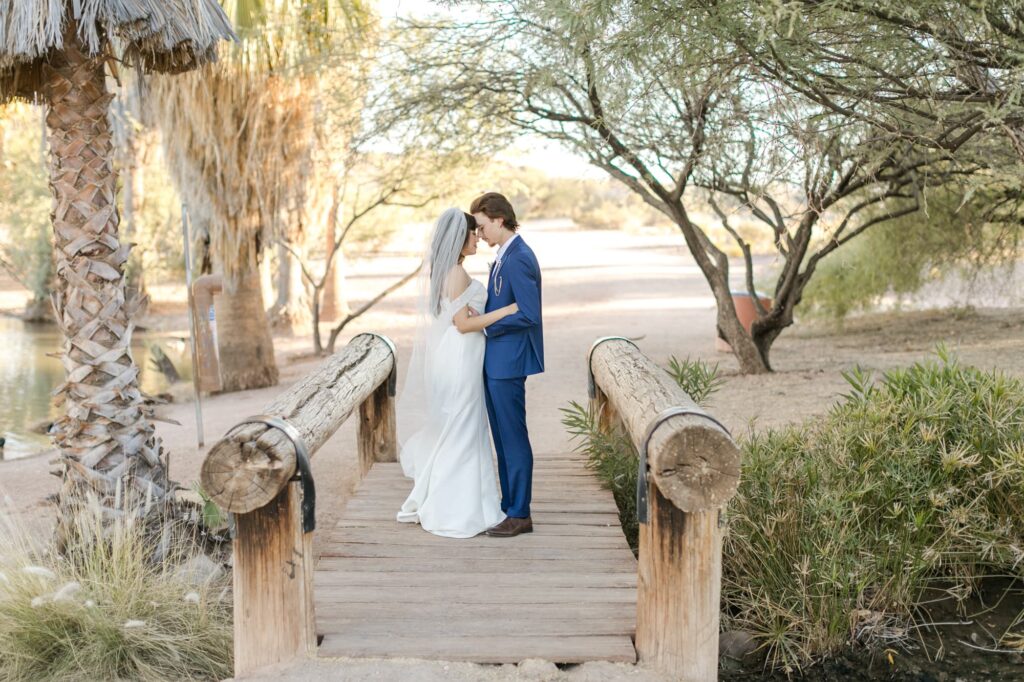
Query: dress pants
(506, 409)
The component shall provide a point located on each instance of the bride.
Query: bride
(446, 444)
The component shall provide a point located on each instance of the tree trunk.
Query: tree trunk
(133, 192)
(38, 309)
(752, 358)
(266, 278)
(243, 335)
(291, 310)
(203, 255)
(105, 436)
(335, 304)
(714, 265)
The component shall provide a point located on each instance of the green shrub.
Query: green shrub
(698, 379)
(842, 524)
(611, 454)
(900, 256)
(105, 610)
(843, 527)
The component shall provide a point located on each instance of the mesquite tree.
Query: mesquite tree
(670, 100)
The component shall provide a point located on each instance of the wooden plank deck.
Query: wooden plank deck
(565, 593)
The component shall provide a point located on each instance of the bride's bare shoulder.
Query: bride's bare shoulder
(458, 282)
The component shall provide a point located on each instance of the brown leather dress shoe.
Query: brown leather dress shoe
(511, 527)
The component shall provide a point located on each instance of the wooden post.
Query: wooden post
(679, 577)
(249, 472)
(378, 441)
(273, 584)
(693, 470)
(208, 370)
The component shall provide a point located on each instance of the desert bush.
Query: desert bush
(699, 379)
(844, 524)
(899, 257)
(612, 455)
(104, 609)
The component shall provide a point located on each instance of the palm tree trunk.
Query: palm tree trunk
(243, 335)
(105, 437)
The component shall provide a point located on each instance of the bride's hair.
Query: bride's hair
(470, 229)
(446, 242)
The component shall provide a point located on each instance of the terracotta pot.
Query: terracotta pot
(746, 312)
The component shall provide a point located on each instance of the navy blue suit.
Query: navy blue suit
(515, 350)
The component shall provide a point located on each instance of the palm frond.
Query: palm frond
(237, 141)
(165, 36)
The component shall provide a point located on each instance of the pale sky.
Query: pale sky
(531, 151)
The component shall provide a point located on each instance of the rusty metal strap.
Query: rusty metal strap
(641, 476)
(393, 377)
(591, 385)
(303, 472)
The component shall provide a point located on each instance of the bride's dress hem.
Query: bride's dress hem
(413, 517)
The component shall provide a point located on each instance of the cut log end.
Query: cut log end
(242, 477)
(695, 465)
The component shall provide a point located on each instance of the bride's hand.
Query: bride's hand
(511, 309)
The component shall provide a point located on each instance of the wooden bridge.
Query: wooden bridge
(569, 592)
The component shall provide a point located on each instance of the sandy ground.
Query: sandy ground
(596, 283)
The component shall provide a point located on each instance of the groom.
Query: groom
(515, 350)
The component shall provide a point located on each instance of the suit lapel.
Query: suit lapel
(492, 282)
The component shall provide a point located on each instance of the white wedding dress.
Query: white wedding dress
(455, 492)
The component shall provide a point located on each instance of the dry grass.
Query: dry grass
(106, 610)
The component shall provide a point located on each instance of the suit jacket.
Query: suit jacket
(515, 344)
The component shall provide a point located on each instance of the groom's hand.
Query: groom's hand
(461, 319)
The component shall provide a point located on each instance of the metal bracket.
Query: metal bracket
(303, 472)
(641, 476)
(591, 386)
(393, 377)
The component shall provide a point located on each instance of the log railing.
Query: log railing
(251, 472)
(689, 471)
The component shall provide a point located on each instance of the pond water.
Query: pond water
(30, 371)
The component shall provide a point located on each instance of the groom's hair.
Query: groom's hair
(494, 205)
